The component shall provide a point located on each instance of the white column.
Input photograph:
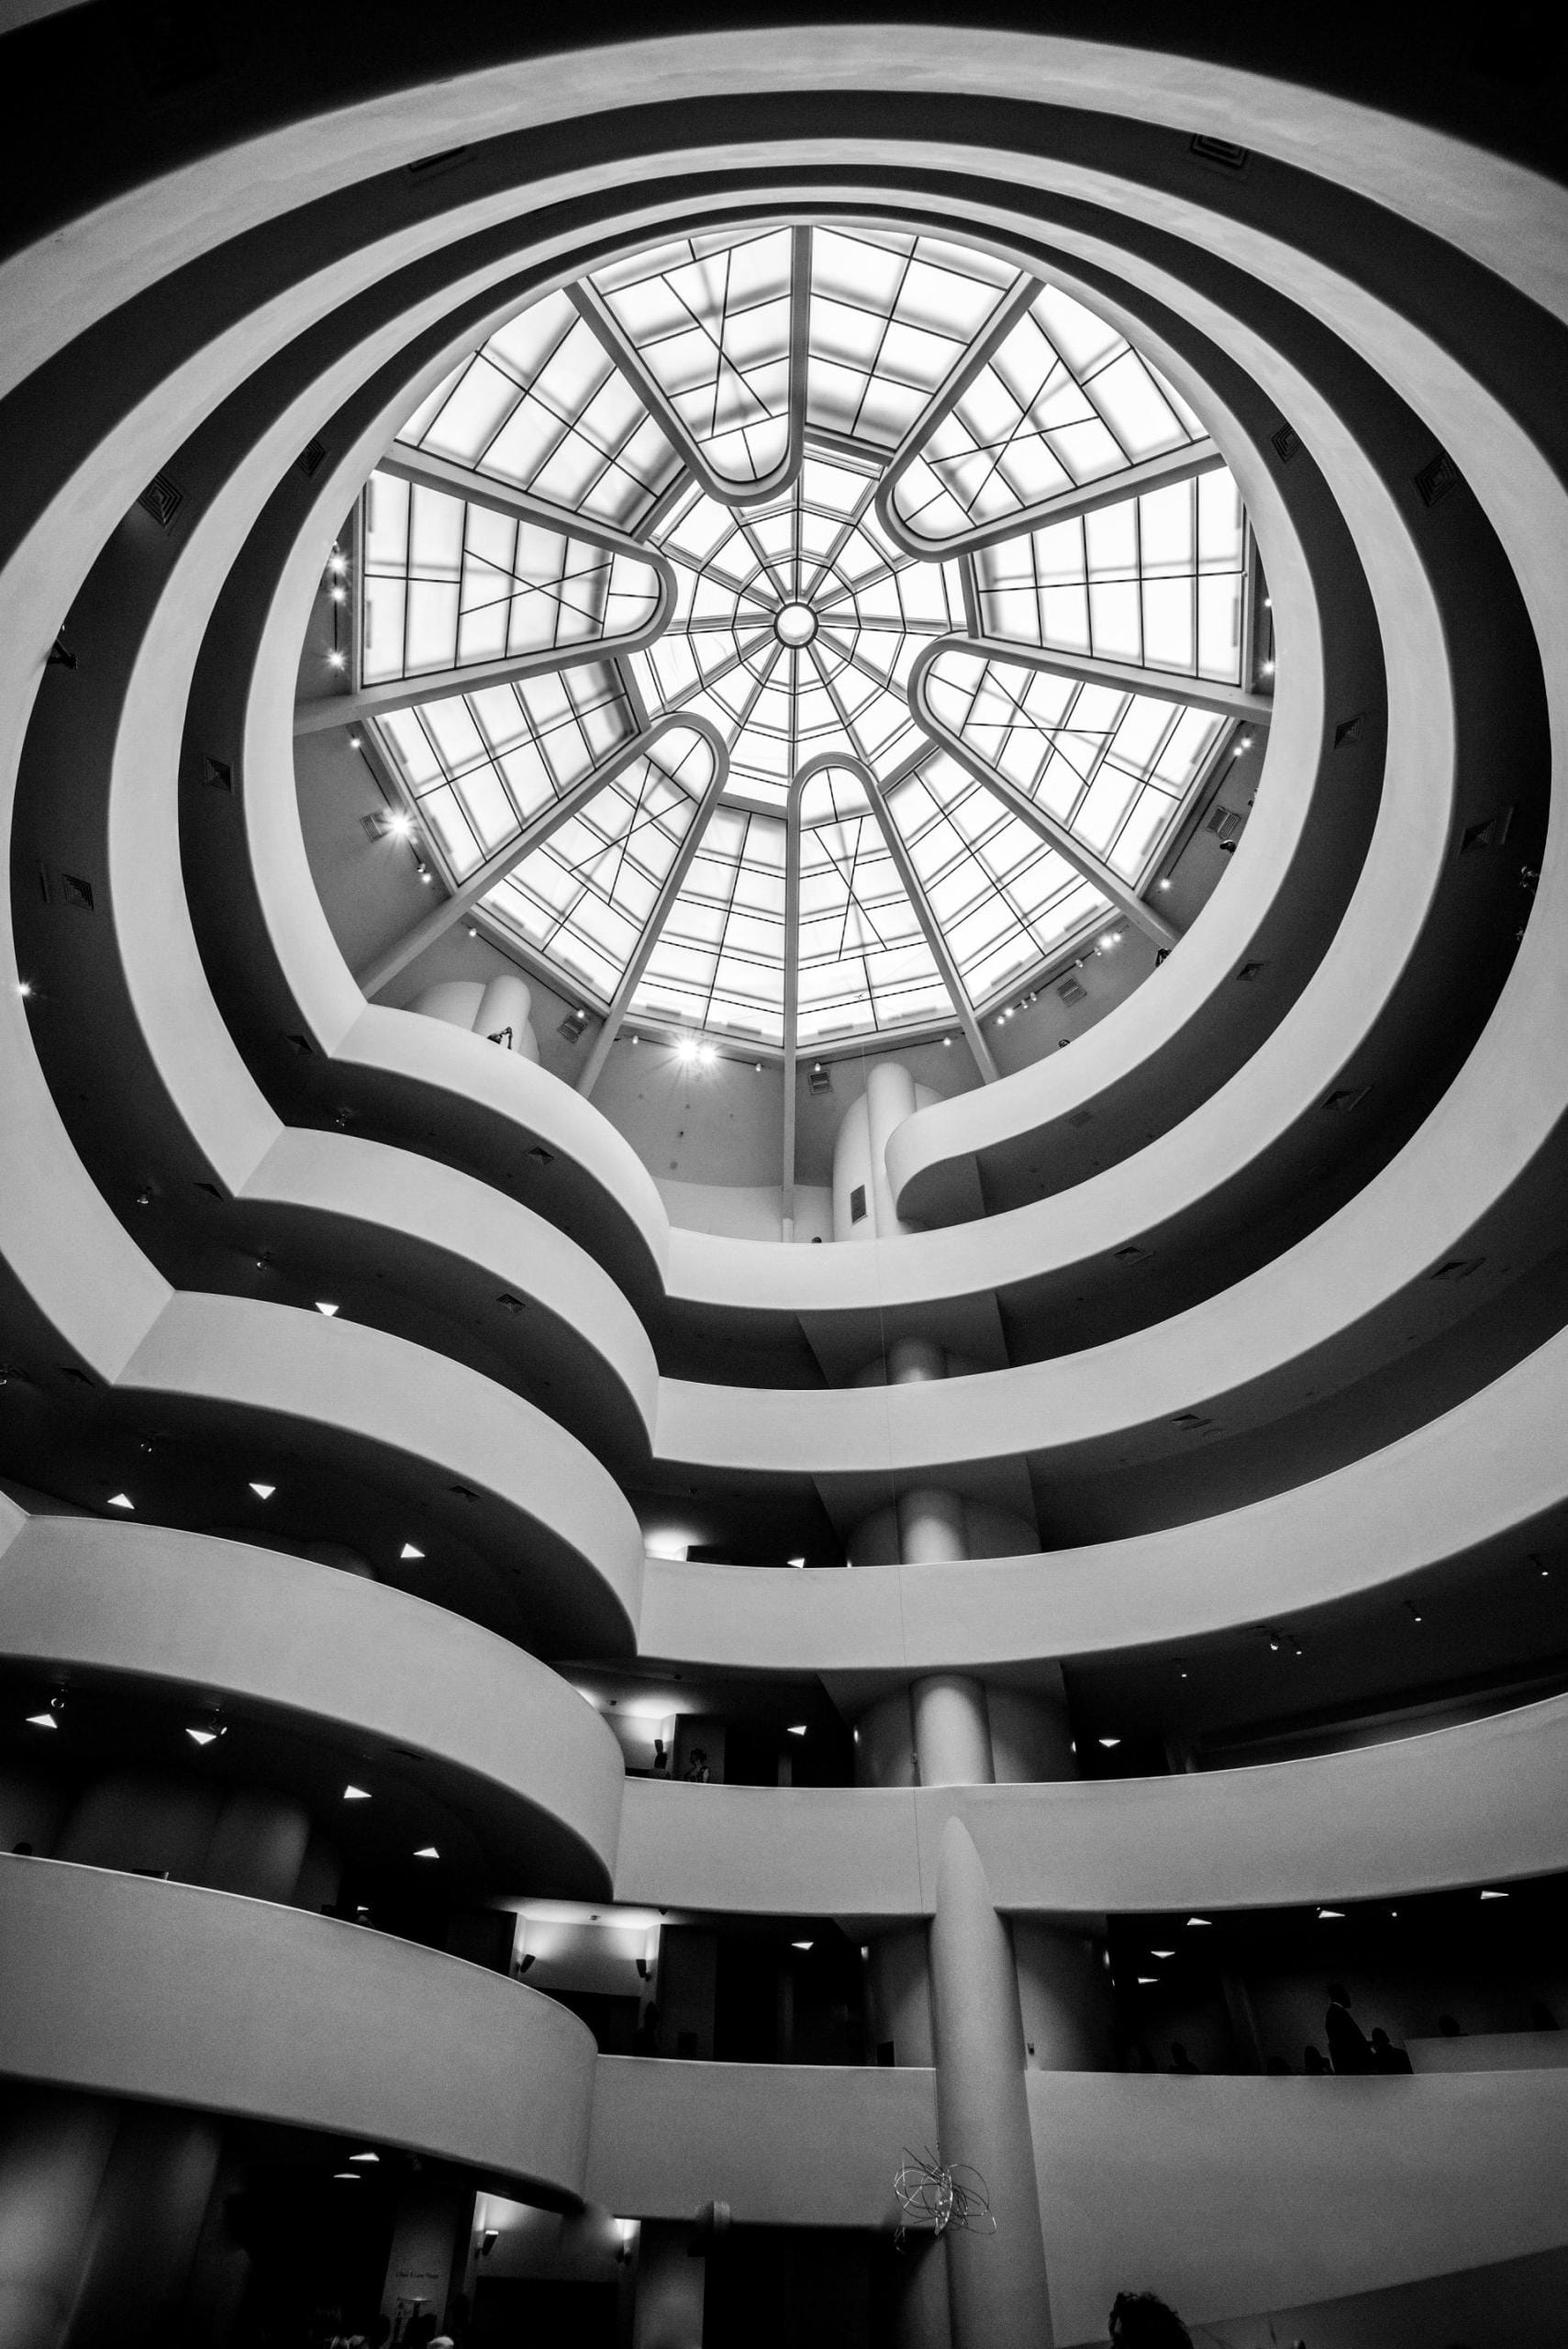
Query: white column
(890, 1098)
(996, 2284)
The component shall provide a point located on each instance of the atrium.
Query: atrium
(784, 1315)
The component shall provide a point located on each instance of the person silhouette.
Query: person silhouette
(1313, 2061)
(1180, 2060)
(1348, 2051)
(1143, 2321)
(1385, 2056)
(697, 1772)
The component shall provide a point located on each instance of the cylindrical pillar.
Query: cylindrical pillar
(931, 1527)
(890, 1098)
(670, 2286)
(101, 2210)
(54, 2153)
(997, 2285)
(952, 1736)
(504, 1014)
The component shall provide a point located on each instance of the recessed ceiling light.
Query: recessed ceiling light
(42, 1720)
(1147, 1981)
(1162, 1952)
(204, 1736)
(429, 1852)
(1332, 1916)
(328, 1309)
(347, 2177)
(797, 1562)
(263, 1492)
(364, 2157)
(1200, 1921)
(120, 1500)
(356, 1794)
(408, 1550)
(1110, 1740)
(334, 660)
(803, 1945)
(24, 987)
(1494, 1896)
(797, 1729)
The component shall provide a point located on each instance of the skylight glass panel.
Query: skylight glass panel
(1062, 400)
(543, 407)
(864, 965)
(452, 585)
(797, 622)
(1113, 767)
(709, 317)
(482, 766)
(1158, 580)
(890, 317)
(1003, 897)
(719, 958)
(585, 895)
(815, 545)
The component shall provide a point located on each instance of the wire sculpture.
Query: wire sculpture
(933, 2195)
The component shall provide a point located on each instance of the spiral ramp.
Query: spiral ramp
(1174, 1496)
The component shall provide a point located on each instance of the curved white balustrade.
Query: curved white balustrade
(125, 1986)
(1481, 1803)
(511, 1743)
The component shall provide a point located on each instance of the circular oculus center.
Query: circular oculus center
(795, 625)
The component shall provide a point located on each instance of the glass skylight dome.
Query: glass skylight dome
(800, 633)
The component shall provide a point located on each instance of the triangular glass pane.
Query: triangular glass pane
(1063, 401)
(447, 585)
(709, 317)
(585, 894)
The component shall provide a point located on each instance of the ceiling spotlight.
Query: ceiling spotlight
(408, 1550)
(354, 742)
(205, 1733)
(328, 1309)
(1147, 1981)
(336, 594)
(120, 1500)
(337, 560)
(263, 1492)
(356, 1794)
(947, 1043)
(42, 1720)
(347, 2177)
(797, 1562)
(1200, 1921)
(1108, 1742)
(428, 1851)
(400, 825)
(24, 987)
(803, 1945)
(1166, 883)
(364, 2157)
(1331, 1916)
(1162, 1952)
(1268, 668)
(796, 1729)
(334, 660)
(1494, 1896)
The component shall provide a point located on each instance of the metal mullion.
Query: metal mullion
(948, 394)
(1071, 851)
(942, 953)
(601, 321)
(1065, 504)
(434, 924)
(1164, 685)
(668, 890)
